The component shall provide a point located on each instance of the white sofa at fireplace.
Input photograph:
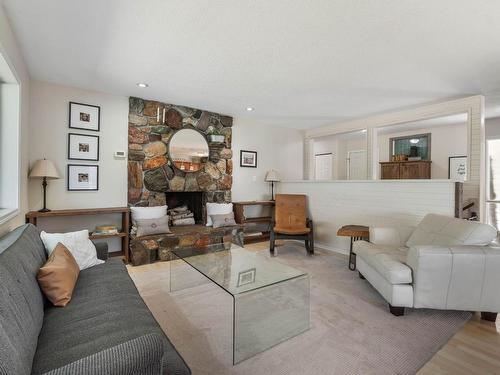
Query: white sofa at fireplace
(443, 263)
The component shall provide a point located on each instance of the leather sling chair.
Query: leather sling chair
(291, 221)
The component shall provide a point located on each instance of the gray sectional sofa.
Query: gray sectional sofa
(105, 329)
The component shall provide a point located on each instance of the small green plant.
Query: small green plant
(214, 131)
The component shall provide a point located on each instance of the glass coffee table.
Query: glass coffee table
(270, 299)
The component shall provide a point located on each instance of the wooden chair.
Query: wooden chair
(291, 221)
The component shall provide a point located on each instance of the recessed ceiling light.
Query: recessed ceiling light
(250, 109)
(414, 140)
(142, 85)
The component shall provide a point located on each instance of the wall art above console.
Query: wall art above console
(164, 157)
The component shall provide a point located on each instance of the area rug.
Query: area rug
(352, 331)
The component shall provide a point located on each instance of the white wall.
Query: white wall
(49, 113)
(49, 139)
(333, 204)
(446, 141)
(492, 126)
(277, 148)
(11, 52)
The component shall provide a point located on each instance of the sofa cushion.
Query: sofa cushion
(21, 302)
(388, 261)
(106, 310)
(57, 277)
(448, 231)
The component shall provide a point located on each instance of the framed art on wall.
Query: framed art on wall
(84, 116)
(248, 159)
(457, 168)
(83, 177)
(83, 147)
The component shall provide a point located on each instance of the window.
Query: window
(9, 142)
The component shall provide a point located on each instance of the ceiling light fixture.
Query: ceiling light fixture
(414, 140)
(142, 85)
(250, 109)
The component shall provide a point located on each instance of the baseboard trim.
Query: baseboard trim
(322, 246)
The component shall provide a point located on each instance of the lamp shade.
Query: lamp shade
(44, 168)
(272, 176)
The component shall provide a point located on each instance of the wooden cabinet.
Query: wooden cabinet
(405, 170)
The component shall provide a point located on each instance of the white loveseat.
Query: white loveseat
(444, 263)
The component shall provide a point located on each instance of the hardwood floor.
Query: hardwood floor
(475, 349)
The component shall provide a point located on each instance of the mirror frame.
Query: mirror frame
(170, 140)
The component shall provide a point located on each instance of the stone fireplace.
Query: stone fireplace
(194, 200)
(151, 171)
(155, 178)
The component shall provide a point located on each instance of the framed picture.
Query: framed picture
(248, 159)
(83, 147)
(84, 116)
(83, 177)
(457, 168)
(246, 277)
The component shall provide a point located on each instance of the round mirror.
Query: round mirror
(188, 150)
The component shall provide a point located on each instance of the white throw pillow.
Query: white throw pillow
(146, 213)
(217, 209)
(155, 212)
(78, 243)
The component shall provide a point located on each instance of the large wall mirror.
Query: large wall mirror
(188, 150)
(435, 148)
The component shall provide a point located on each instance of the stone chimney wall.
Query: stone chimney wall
(151, 172)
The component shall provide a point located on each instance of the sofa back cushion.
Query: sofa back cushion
(447, 231)
(21, 309)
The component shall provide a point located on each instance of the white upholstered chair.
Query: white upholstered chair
(444, 263)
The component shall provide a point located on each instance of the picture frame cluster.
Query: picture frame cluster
(83, 147)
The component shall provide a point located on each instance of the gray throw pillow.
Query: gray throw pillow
(146, 227)
(224, 220)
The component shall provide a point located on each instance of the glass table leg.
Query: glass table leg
(183, 276)
(267, 316)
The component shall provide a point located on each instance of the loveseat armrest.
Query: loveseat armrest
(102, 250)
(390, 236)
(142, 355)
(456, 277)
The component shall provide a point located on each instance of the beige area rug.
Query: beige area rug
(352, 331)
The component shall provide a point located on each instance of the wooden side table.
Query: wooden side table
(240, 218)
(356, 232)
(33, 216)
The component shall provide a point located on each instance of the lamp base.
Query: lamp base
(44, 210)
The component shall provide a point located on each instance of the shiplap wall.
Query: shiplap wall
(333, 204)
(474, 188)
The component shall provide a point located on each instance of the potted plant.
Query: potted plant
(215, 135)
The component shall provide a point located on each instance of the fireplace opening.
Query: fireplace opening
(193, 200)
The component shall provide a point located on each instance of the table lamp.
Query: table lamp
(44, 169)
(272, 177)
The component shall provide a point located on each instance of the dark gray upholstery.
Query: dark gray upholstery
(106, 328)
(21, 302)
(102, 250)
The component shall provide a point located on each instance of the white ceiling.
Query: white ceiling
(299, 63)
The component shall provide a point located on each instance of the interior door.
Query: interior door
(323, 166)
(356, 165)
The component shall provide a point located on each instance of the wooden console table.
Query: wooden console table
(240, 218)
(32, 218)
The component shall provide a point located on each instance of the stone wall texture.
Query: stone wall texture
(151, 172)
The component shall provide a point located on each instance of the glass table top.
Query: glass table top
(237, 270)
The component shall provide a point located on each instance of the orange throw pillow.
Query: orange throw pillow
(57, 277)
